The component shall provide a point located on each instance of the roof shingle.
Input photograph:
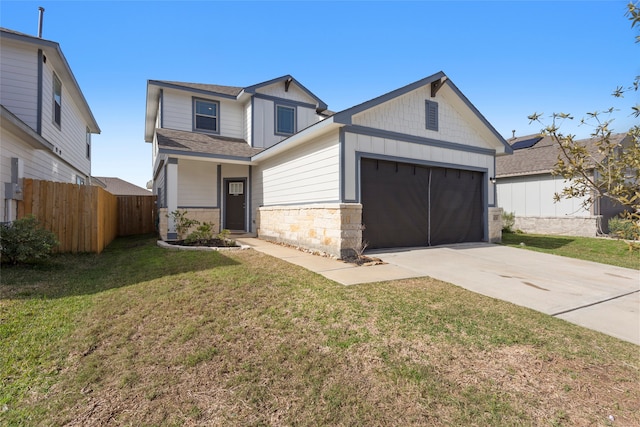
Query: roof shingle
(200, 143)
(541, 157)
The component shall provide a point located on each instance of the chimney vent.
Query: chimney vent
(40, 16)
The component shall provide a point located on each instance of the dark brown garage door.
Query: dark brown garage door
(411, 205)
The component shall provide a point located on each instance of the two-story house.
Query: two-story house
(412, 167)
(46, 123)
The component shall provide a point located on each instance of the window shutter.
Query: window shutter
(431, 108)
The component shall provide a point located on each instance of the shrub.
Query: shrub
(25, 241)
(508, 221)
(224, 237)
(182, 223)
(202, 234)
(623, 228)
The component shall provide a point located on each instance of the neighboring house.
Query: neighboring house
(120, 187)
(414, 166)
(46, 123)
(526, 188)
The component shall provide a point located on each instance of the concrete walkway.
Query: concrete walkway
(597, 296)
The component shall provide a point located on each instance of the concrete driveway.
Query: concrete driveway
(596, 296)
(600, 297)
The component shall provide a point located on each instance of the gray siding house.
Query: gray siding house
(45, 123)
(412, 167)
(526, 186)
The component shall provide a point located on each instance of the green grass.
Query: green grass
(606, 251)
(145, 336)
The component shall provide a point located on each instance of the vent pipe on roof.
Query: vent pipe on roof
(513, 133)
(40, 16)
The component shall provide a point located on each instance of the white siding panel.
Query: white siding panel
(19, 82)
(406, 114)
(247, 122)
(293, 94)
(70, 138)
(177, 108)
(197, 183)
(532, 196)
(178, 113)
(306, 174)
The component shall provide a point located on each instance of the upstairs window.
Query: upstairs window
(57, 101)
(88, 139)
(285, 120)
(205, 115)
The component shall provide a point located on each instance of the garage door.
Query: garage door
(412, 205)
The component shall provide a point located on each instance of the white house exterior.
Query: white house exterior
(313, 178)
(46, 123)
(526, 187)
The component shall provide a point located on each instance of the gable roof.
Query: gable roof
(178, 142)
(120, 187)
(228, 92)
(63, 70)
(436, 81)
(344, 117)
(541, 157)
(205, 89)
(320, 105)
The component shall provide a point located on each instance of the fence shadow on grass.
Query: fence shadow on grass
(126, 261)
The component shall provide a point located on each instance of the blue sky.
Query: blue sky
(509, 58)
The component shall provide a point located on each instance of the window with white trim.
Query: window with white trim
(285, 120)
(205, 115)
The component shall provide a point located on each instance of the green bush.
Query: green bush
(623, 228)
(182, 223)
(508, 221)
(202, 234)
(25, 241)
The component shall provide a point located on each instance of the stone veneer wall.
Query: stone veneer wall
(332, 228)
(495, 225)
(566, 226)
(199, 214)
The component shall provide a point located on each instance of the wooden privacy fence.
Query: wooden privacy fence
(136, 215)
(84, 218)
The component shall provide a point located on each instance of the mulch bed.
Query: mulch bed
(212, 243)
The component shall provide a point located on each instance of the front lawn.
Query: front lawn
(145, 336)
(603, 250)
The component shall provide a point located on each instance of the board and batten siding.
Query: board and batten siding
(264, 135)
(407, 152)
(19, 82)
(70, 138)
(306, 174)
(407, 114)
(532, 196)
(177, 109)
(197, 184)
